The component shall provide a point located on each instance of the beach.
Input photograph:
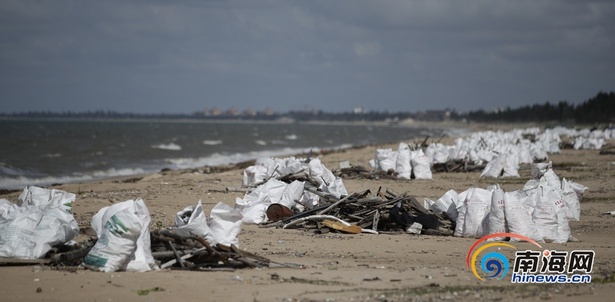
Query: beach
(336, 266)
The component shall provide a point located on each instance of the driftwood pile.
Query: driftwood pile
(457, 165)
(195, 253)
(363, 212)
(360, 172)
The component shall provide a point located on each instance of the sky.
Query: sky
(183, 56)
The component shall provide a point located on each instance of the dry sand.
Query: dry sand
(338, 267)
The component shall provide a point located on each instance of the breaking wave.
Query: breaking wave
(212, 142)
(171, 146)
(217, 159)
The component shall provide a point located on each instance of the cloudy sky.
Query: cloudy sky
(182, 56)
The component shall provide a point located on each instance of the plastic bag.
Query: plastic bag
(41, 220)
(571, 200)
(403, 166)
(191, 221)
(448, 204)
(386, 159)
(123, 238)
(496, 217)
(225, 224)
(473, 221)
(421, 165)
(549, 216)
(494, 167)
(518, 220)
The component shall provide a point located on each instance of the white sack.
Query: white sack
(538, 152)
(578, 188)
(141, 259)
(545, 171)
(402, 166)
(17, 227)
(41, 219)
(41, 197)
(191, 221)
(254, 174)
(448, 204)
(118, 228)
(494, 167)
(292, 192)
(518, 220)
(511, 163)
(386, 159)
(549, 216)
(428, 204)
(421, 165)
(254, 204)
(327, 180)
(225, 224)
(473, 222)
(571, 200)
(496, 217)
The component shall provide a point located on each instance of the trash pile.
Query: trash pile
(405, 163)
(541, 210)
(496, 154)
(291, 182)
(585, 139)
(41, 227)
(363, 212)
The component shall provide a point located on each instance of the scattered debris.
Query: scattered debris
(386, 211)
(195, 253)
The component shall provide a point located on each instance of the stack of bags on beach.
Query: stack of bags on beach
(404, 162)
(586, 139)
(541, 210)
(269, 190)
(500, 152)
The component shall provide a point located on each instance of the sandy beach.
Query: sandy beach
(337, 266)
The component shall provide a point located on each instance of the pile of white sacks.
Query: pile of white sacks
(541, 210)
(42, 219)
(501, 152)
(270, 190)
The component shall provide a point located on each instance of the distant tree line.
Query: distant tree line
(599, 109)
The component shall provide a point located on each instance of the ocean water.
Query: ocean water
(43, 152)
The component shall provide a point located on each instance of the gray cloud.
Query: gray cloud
(182, 56)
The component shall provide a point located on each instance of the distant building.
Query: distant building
(212, 112)
(232, 112)
(249, 112)
(358, 110)
(435, 115)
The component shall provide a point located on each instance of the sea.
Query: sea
(42, 152)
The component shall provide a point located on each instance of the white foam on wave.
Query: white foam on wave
(291, 137)
(52, 155)
(212, 142)
(21, 181)
(260, 142)
(171, 146)
(217, 159)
